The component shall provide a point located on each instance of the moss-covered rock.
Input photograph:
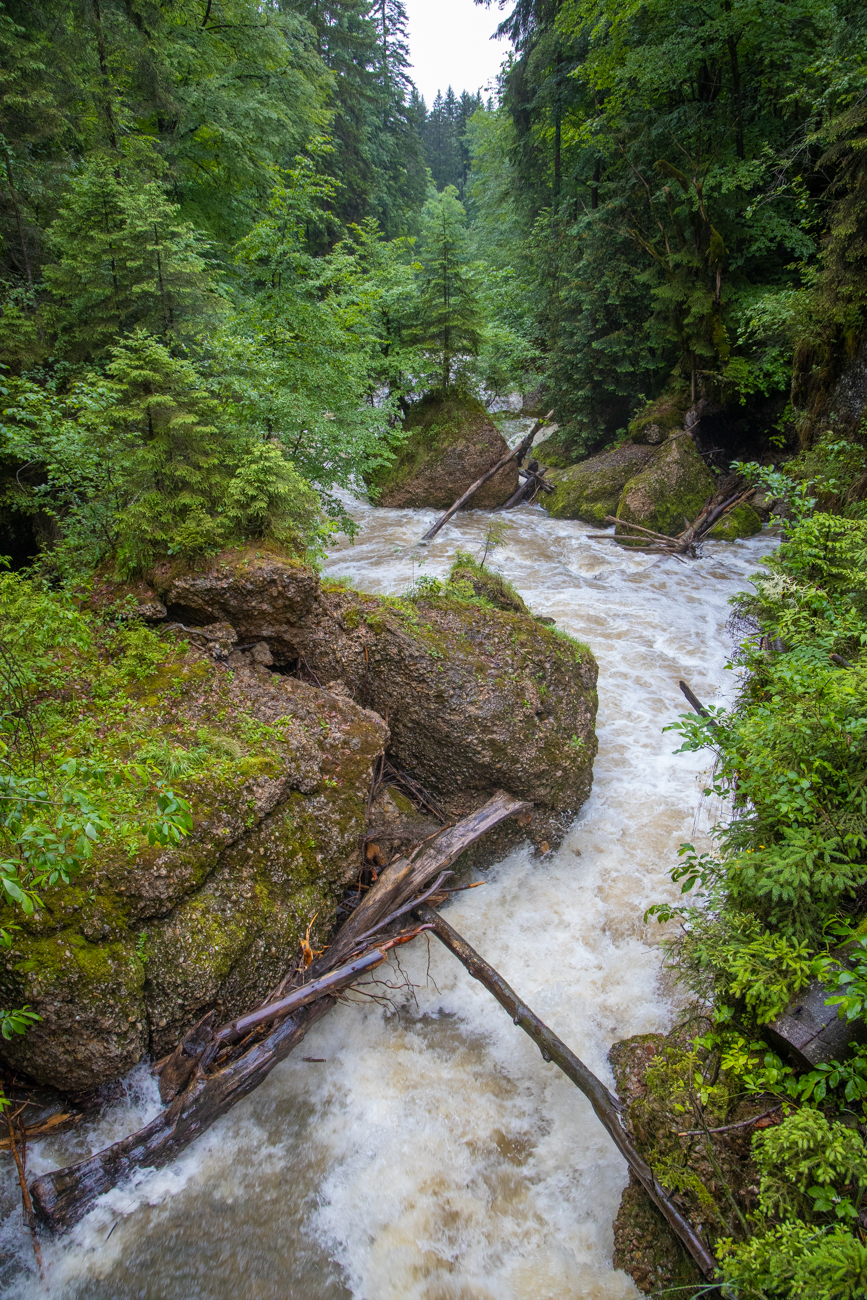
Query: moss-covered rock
(556, 452)
(670, 491)
(659, 419)
(90, 998)
(476, 699)
(146, 939)
(451, 443)
(591, 489)
(743, 521)
(714, 1178)
(277, 773)
(486, 584)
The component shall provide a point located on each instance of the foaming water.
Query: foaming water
(433, 1155)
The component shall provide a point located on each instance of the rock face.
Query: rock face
(591, 489)
(451, 443)
(135, 951)
(670, 490)
(278, 774)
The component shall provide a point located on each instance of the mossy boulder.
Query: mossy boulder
(450, 444)
(659, 419)
(743, 521)
(477, 699)
(144, 941)
(555, 451)
(654, 1077)
(591, 489)
(486, 584)
(278, 772)
(670, 490)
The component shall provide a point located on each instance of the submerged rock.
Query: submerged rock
(592, 489)
(670, 491)
(451, 443)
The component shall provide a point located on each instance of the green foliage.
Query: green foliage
(795, 1259)
(448, 323)
(55, 805)
(810, 1168)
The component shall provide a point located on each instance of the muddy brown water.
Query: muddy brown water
(432, 1155)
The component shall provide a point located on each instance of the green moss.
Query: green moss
(485, 584)
(670, 492)
(742, 522)
(555, 452)
(658, 419)
(591, 489)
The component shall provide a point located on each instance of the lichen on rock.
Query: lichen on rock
(451, 443)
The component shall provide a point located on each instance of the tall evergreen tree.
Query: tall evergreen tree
(449, 319)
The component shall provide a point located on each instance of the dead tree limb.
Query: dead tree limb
(605, 1105)
(687, 543)
(401, 880)
(517, 453)
(64, 1196)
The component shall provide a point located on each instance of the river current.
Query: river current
(430, 1154)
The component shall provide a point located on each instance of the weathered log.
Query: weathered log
(335, 980)
(517, 453)
(402, 880)
(694, 701)
(605, 1105)
(524, 490)
(178, 1069)
(64, 1196)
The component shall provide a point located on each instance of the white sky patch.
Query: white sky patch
(450, 45)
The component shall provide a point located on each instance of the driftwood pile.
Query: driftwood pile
(686, 544)
(213, 1067)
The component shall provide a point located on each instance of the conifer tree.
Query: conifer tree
(124, 260)
(449, 317)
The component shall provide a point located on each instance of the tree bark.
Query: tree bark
(605, 1105)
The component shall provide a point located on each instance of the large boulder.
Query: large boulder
(476, 697)
(466, 698)
(591, 489)
(142, 943)
(670, 491)
(450, 444)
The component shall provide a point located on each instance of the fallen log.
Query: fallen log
(687, 543)
(402, 880)
(64, 1196)
(604, 1103)
(517, 453)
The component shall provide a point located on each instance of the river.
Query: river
(431, 1154)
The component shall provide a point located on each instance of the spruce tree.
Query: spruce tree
(124, 260)
(449, 318)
